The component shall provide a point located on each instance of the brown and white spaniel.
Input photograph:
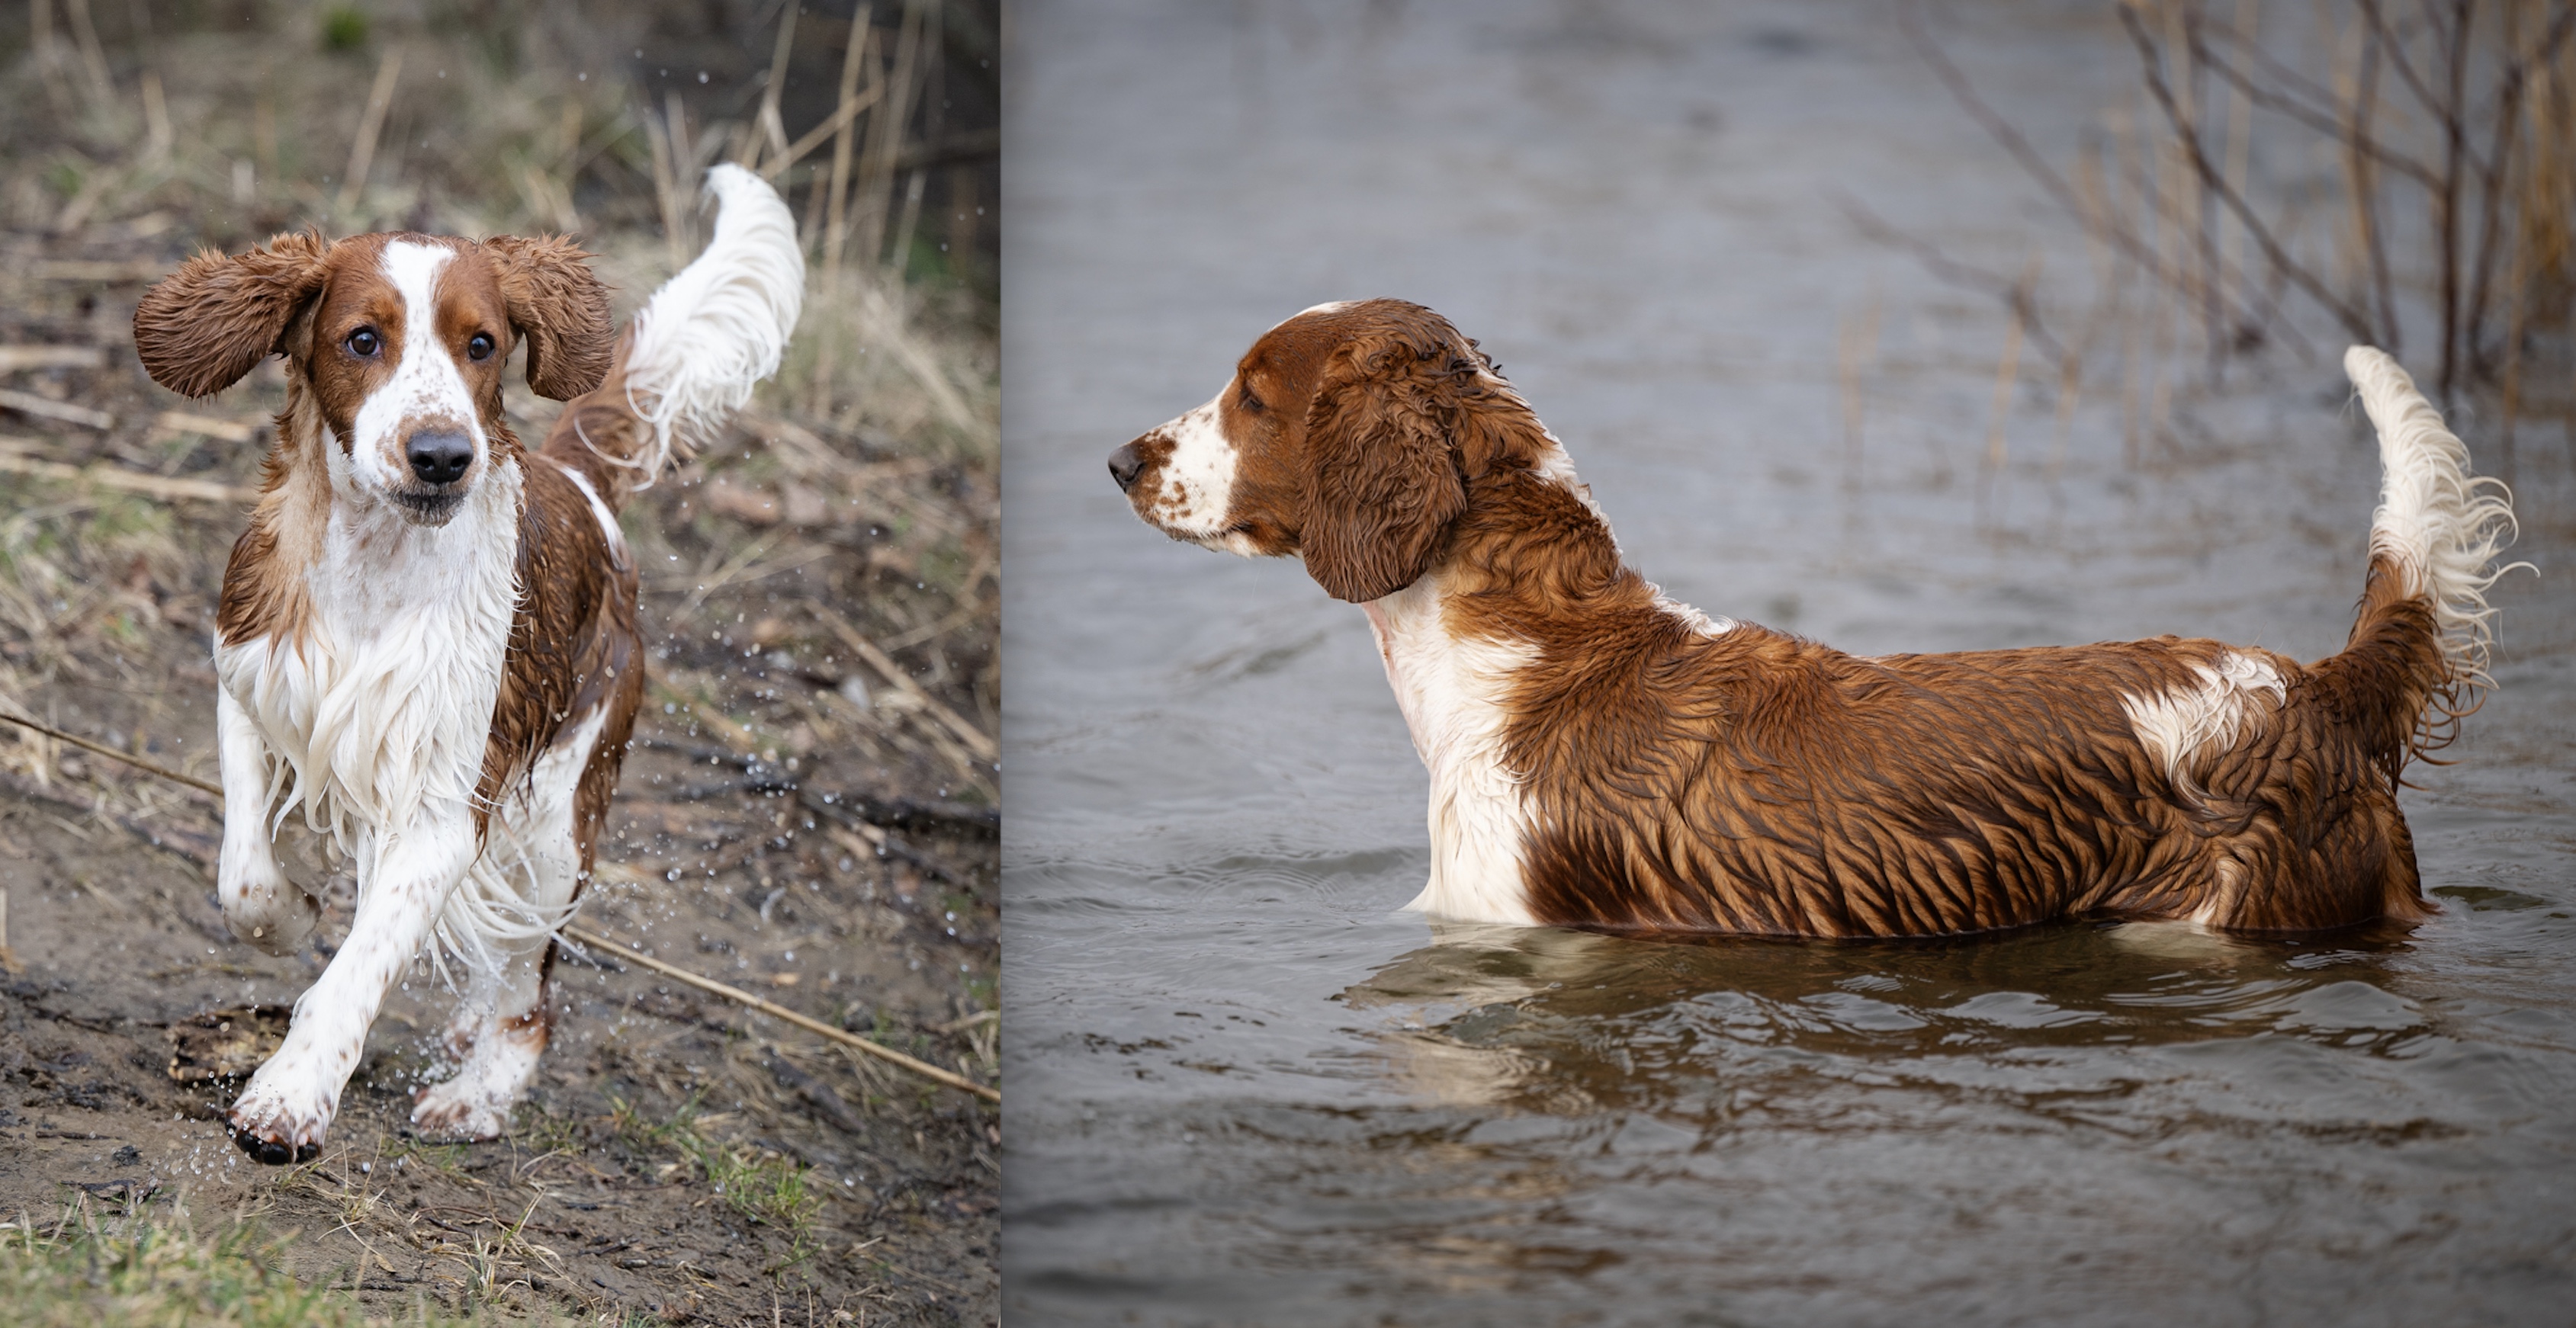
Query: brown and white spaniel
(427, 647)
(1603, 757)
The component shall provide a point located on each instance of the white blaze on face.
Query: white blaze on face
(1195, 484)
(426, 386)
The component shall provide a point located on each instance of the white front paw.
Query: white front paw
(281, 1117)
(261, 906)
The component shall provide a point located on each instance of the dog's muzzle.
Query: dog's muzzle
(439, 461)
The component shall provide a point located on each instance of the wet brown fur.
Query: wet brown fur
(1753, 781)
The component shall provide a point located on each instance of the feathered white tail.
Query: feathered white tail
(2437, 524)
(719, 326)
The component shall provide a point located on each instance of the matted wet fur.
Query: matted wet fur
(1603, 757)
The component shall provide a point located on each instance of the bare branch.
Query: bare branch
(2012, 291)
(2314, 118)
(2396, 48)
(2365, 195)
(2037, 167)
(2353, 319)
(2508, 108)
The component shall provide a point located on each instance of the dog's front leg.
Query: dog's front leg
(260, 905)
(282, 1114)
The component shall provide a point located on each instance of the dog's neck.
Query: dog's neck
(1457, 644)
(1530, 578)
(1455, 693)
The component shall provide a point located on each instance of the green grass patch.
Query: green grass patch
(758, 1185)
(156, 1269)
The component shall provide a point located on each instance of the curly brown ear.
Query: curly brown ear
(1382, 473)
(560, 308)
(202, 327)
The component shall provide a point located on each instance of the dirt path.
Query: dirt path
(677, 1158)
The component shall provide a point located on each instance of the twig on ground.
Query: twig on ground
(15, 358)
(228, 431)
(110, 271)
(925, 1069)
(104, 750)
(578, 935)
(976, 739)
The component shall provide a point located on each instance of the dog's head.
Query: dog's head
(1349, 434)
(399, 339)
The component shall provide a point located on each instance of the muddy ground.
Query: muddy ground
(790, 820)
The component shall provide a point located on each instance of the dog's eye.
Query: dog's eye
(479, 347)
(1250, 402)
(364, 343)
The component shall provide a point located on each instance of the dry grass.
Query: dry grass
(2298, 176)
(84, 1268)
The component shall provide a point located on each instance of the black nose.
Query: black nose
(1125, 465)
(439, 456)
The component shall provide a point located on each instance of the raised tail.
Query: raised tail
(691, 356)
(2421, 639)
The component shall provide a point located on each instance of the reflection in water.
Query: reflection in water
(1560, 1021)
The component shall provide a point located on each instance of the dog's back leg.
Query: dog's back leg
(498, 1034)
(532, 868)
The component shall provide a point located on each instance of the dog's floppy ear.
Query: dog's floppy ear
(559, 307)
(1381, 474)
(204, 326)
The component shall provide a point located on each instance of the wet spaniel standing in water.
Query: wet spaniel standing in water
(427, 646)
(1603, 757)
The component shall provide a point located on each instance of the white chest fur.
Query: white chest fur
(384, 702)
(1453, 693)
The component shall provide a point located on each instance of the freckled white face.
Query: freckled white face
(426, 389)
(1193, 486)
(1228, 475)
(406, 349)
